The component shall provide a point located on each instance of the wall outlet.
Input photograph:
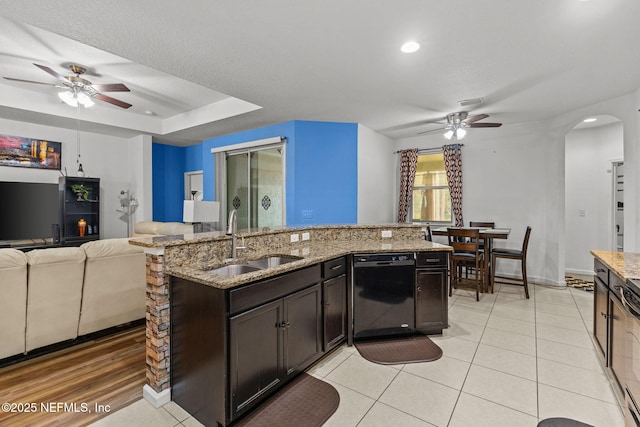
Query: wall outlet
(582, 212)
(295, 238)
(305, 236)
(307, 214)
(387, 233)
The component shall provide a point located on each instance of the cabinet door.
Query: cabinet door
(617, 342)
(335, 310)
(256, 361)
(431, 300)
(303, 331)
(600, 317)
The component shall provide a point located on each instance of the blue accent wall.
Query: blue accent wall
(325, 175)
(168, 181)
(321, 171)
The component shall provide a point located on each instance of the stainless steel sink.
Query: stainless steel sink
(272, 261)
(234, 269)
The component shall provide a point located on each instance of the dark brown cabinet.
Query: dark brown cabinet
(600, 316)
(79, 204)
(231, 348)
(609, 324)
(256, 361)
(302, 328)
(431, 296)
(334, 291)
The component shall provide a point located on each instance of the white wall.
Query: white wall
(376, 177)
(589, 154)
(119, 163)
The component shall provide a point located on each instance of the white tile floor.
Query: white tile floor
(508, 361)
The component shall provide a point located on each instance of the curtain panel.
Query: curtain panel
(453, 165)
(408, 165)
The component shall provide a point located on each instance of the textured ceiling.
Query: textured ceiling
(197, 61)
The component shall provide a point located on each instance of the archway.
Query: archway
(593, 151)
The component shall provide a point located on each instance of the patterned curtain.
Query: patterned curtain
(453, 164)
(408, 165)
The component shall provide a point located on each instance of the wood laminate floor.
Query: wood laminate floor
(77, 385)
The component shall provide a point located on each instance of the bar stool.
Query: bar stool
(515, 254)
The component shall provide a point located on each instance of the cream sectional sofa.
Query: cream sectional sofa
(155, 228)
(57, 294)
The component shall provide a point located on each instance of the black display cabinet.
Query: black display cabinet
(79, 200)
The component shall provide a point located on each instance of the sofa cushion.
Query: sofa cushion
(54, 292)
(13, 303)
(114, 289)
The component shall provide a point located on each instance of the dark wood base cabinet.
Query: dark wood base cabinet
(431, 296)
(230, 349)
(609, 330)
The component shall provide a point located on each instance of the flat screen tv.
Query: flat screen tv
(28, 210)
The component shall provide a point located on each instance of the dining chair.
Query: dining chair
(427, 233)
(515, 254)
(466, 253)
(482, 224)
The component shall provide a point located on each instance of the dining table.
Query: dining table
(487, 235)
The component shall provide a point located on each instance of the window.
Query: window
(431, 198)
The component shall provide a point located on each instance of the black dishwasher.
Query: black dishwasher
(383, 295)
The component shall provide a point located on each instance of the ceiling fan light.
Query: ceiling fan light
(68, 98)
(85, 100)
(460, 133)
(448, 134)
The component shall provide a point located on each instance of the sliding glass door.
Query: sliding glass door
(255, 186)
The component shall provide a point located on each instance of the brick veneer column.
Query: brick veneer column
(157, 320)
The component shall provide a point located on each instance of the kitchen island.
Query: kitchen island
(210, 313)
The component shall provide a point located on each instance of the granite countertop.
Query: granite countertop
(625, 265)
(310, 254)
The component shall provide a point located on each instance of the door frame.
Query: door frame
(220, 169)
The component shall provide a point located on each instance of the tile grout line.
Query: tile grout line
(471, 362)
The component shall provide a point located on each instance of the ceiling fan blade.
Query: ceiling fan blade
(112, 87)
(111, 100)
(485, 125)
(30, 81)
(53, 73)
(426, 132)
(475, 118)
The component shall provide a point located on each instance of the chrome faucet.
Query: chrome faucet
(232, 230)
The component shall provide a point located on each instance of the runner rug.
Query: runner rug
(394, 351)
(304, 402)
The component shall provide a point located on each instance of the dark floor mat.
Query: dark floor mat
(304, 402)
(562, 422)
(393, 351)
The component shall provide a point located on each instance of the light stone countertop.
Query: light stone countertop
(625, 265)
(310, 253)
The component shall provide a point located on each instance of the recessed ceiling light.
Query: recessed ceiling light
(590, 120)
(149, 112)
(410, 47)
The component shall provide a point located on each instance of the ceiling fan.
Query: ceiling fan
(78, 90)
(457, 123)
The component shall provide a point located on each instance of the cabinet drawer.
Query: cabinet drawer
(267, 290)
(334, 268)
(432, 259)
(601, 271)
(615, 283)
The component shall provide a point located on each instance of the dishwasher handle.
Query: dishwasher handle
(360, 264)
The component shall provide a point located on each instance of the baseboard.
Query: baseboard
(155, 398)
(534, 280)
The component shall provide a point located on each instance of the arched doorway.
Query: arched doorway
(594, 191)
